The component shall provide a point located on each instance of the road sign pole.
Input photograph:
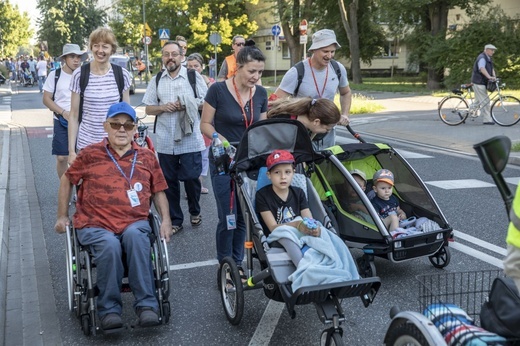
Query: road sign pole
(145, 46)
(275, 56)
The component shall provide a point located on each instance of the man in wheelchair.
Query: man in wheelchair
(116, 181)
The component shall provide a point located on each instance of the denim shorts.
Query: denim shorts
(60, 139)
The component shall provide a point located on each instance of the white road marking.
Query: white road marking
(481, 243)
(267, 325)
(477, 254)
(411, 155)
(512, 180)
(193, 265)
(460, 184)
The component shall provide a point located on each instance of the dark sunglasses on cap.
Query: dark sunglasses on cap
(128, 126)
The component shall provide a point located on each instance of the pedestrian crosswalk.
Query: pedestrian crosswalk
(5, 109)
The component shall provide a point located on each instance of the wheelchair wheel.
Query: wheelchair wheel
(441, 258)
(406, 334)
(332, 337)
(231, 290)
(70, 257)
(85, 324)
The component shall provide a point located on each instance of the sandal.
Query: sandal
(176, 229)
(243, 276)
(204, 190)
(196, 220)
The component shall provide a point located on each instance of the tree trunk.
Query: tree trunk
(351, 27)
(439, 23)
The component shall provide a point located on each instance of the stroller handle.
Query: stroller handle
(355, 134)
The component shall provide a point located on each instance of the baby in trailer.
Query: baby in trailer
(319, 255)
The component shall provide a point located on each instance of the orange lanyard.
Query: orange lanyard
(239, 100)
(316, 83)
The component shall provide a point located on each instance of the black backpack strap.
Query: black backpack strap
(192, 78)
(57, 74)
(157, 80)
(120, 79)
(336, 68)
(301, 72)
(83, 82)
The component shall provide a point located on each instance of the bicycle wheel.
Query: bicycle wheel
(505, 111)
(453, 110)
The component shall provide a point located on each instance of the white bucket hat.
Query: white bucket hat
(323, 38)
(71, 48)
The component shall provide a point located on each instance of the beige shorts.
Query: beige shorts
(512, 264)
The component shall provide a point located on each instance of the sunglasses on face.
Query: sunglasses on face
(128, 126)
(241, 44)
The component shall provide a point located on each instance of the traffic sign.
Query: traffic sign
(164, 34)
(303, 28)
(147, 30)
(147, 40)
(215, 38)
(303, 39)
(276, 30)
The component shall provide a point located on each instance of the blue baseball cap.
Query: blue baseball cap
(122, 108)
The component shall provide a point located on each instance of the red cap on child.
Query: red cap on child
(278, 157)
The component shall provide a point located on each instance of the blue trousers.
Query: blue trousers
(106, 248)
(186, 168)
(229, 242)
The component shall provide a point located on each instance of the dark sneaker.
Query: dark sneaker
(111, 321)
(147, 317)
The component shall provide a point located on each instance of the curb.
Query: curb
(4, 220)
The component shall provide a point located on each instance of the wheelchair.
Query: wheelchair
(82, 289)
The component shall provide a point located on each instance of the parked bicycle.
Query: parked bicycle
(457, 107)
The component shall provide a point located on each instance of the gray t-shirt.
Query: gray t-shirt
(308, 87)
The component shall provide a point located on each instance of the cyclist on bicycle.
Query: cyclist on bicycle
(483, 72)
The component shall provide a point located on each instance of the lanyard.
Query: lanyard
(320, 95)
(239, 99)
(129, 179)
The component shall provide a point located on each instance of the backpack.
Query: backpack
(83, 82)
(192, 78)
(301, 72)
(501, 313)
(62, 120)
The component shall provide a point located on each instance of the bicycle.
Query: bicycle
(455, 109)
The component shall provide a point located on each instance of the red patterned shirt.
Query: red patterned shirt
(102, 197)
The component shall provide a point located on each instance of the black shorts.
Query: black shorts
(60, 139)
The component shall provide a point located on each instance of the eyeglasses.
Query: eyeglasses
(241, 44)
(128, 126)
(173, 55)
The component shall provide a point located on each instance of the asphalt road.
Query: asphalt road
(197, 314)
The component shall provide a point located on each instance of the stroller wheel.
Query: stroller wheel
(332, 337)
(406, 334)
(367, 268)
(85, 324)
(231, 290)
(441, 258)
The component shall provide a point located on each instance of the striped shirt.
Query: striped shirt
(100, 93)
(169, 90)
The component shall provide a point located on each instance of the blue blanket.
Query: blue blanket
(327, 260)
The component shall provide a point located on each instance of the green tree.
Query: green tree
(67, 21)
(490, 26)
(14, 28)
(427, 22)
(193, 19)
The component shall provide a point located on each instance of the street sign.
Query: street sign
(147, 30)
(147, 40)
(303, 39)
(164, 34)
(215, 38)
(303, 27)
(276, 30)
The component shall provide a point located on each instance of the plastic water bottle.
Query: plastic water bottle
(230, 151)
(218, 150)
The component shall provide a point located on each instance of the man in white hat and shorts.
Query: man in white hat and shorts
(322, 78)
(56, 97)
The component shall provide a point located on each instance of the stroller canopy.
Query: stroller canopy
(261, 138)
